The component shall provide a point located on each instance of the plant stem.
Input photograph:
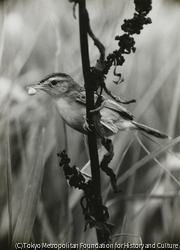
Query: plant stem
(95, 170)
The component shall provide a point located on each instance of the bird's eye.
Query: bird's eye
(54, 82)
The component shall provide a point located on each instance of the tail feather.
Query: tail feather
(150, 131)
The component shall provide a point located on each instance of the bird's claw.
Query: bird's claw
(86, 125)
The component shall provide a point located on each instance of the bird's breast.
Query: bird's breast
(72, 112)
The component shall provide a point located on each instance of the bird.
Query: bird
(70, 101)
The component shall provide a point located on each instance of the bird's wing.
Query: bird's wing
(124, 113)
(108, 119)
(109, 104)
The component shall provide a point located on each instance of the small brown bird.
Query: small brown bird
(70, 101)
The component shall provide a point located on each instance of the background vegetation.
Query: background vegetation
(41, 37)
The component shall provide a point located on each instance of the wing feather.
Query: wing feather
(124, 113)
(110, 104)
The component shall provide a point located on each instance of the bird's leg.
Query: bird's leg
(99, 108)
(100, 103)
(86, 125)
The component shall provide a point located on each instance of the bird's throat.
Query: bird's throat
(72, 113)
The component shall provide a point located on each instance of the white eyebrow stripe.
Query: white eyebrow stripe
(57, 78)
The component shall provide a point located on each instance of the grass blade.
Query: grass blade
(9, 186)
(147, 158)
(26, 217)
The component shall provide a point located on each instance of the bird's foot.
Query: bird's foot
(86, 125)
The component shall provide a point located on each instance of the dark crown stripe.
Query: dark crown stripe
(53, 75)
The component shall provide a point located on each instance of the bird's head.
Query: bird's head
(57, 85)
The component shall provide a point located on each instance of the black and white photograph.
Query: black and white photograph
(89, 124)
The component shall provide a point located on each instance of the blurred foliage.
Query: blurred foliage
(39, 37)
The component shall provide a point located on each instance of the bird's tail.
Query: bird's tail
(150, 131)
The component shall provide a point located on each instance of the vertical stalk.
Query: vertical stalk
(9, 187)
(95, 170)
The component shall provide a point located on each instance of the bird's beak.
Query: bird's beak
(43, 86)
(39, 85)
